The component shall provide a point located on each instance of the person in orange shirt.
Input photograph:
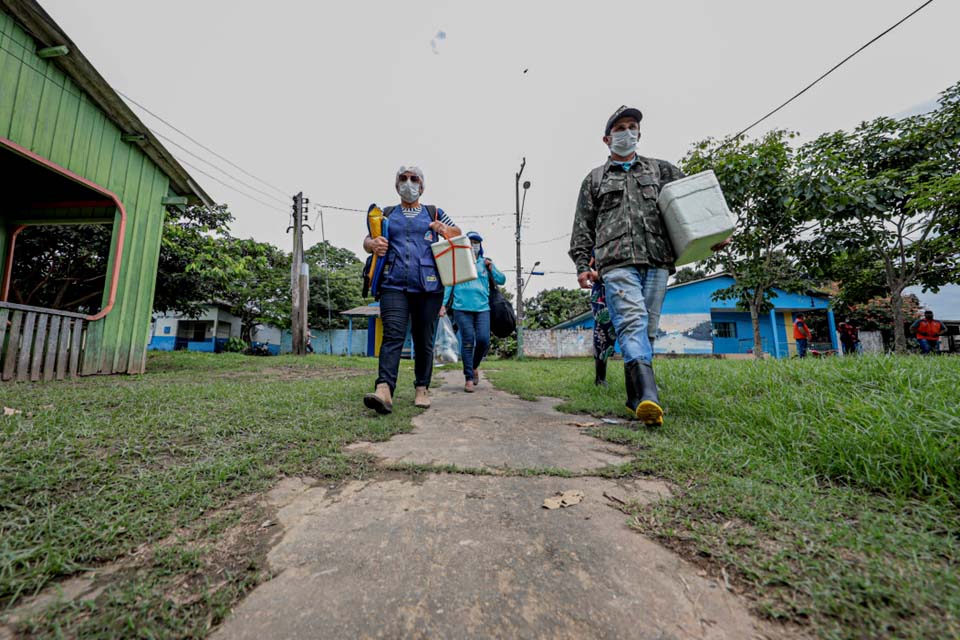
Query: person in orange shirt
(801, 333)
(928, 332)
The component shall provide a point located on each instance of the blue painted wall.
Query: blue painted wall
(162, 343)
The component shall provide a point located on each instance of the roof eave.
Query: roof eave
(43, 28)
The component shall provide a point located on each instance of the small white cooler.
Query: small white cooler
(696, 216)
(455, 260)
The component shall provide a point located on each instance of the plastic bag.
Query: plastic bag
(447, 347)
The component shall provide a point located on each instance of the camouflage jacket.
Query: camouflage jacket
(618, 219)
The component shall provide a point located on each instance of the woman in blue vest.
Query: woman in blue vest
(470, 303)
(411, 293)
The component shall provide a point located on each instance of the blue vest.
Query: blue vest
(410, 265)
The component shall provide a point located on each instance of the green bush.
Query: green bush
(235, 345)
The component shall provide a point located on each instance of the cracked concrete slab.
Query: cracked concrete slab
(461, 556)
(494, 430)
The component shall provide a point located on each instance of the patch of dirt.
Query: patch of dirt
(295, 373)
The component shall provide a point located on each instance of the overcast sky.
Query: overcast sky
(331, 97)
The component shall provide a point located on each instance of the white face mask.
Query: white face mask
(409, 191)
(476, 250)
(624, 143)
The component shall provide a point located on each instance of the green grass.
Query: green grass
(94, 468)
(829, 489)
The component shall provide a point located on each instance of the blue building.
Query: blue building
(692, 322)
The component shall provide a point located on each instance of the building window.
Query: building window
(725, 329)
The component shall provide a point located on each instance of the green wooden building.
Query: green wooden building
(72, 152)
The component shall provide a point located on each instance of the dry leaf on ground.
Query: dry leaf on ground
(7, 411)
(565, 499)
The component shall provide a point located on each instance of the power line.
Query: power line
(226, 173)
(833, 68)
(272, 207)
(560, 237)
(203, 146)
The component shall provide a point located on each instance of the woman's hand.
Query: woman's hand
(441, 228)
(443, 311)
(488, 262)
(379, 245)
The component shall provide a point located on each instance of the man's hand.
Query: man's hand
(443, 311)
(587, 278)
(380, 245)
(722, 245)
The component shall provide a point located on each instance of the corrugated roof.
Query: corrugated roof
(44, 29)
(367, 310)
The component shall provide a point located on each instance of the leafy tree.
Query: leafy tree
(550, 307)
(61, 267)
(887, 197)
(877, 314)
(689, 274)
(252, 277)
(190, 237)
(341, 268)
(756, 178)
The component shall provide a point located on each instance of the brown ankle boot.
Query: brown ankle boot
(380, 400)
(468, 386)
(422, 399)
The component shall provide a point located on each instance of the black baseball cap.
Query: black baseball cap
(623, 112)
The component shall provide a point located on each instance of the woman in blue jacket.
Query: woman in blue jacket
(470, 303)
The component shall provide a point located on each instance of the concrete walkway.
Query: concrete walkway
(477, 556)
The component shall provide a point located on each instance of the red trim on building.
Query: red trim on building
(113, 200)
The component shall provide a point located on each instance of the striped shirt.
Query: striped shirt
(411, 213)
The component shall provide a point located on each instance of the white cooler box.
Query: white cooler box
(454, 256)
(696, 216)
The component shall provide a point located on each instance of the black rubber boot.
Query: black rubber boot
(601, 367)
(642, 397)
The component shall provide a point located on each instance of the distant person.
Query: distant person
(604, 335)
(411, 292)
(617, 222)
(928, 332)
(801, 333)
(470, 303)
(849, 338)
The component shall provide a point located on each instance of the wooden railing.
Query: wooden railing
(39, 344)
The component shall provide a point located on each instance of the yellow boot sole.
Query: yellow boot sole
(650, 413)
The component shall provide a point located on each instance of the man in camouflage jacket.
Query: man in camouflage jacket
(618, 222)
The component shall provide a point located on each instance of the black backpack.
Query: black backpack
(503, 319)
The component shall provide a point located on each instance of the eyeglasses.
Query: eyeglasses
(413, 179)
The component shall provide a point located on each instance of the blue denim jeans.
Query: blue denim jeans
(474, 329)
(634, 298)
(802, 347)
(929, 346)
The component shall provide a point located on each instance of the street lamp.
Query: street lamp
(533, 272)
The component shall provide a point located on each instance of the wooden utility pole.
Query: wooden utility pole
(299, 281)
(519, 264)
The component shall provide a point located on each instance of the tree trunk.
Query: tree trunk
(899, 335)
(755, 321)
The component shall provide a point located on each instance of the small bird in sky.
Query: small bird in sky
(525, 70)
